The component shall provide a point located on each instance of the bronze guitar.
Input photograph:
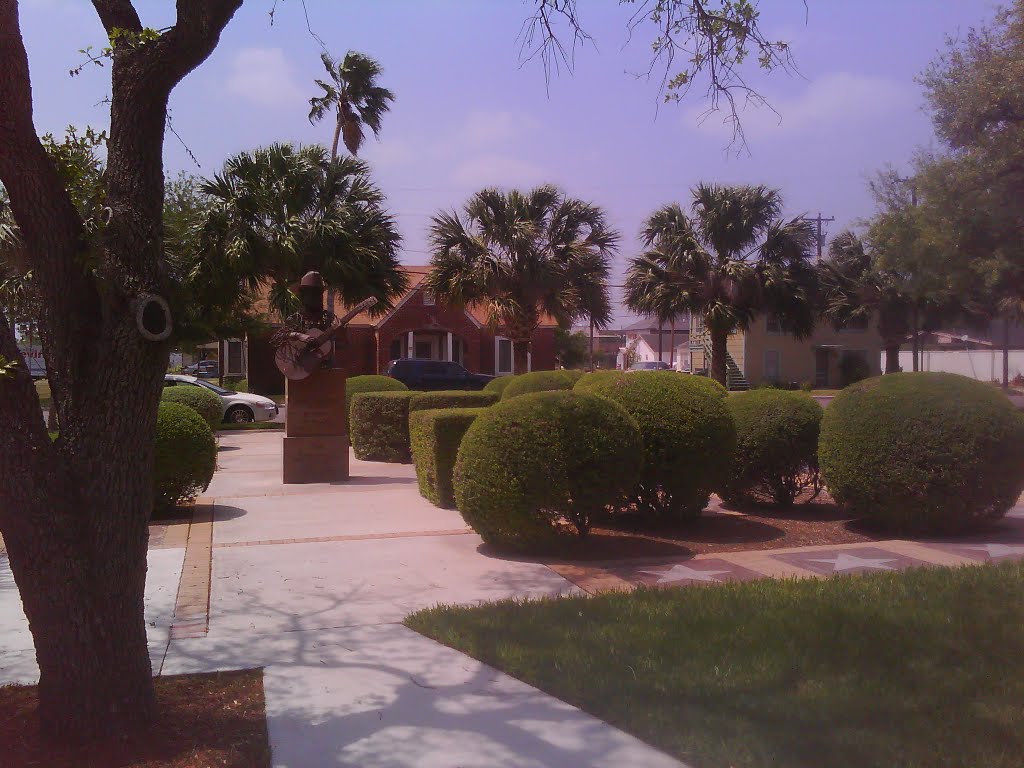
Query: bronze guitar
(298, 359)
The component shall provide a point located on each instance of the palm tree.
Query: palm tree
(354, 95)
(729, 261)
(278, 212)
(519, 255)
(854, 287)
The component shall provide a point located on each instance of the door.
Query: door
(502, 357)
(821, 368)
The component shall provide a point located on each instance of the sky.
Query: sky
(470, 113)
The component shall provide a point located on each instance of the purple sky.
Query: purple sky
(468, 114)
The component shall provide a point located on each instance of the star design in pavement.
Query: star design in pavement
(999, 550)
(682, 573)
(845, 562)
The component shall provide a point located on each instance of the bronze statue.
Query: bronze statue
(306, 340)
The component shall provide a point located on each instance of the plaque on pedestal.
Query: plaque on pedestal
(316, 406)
(315, 459)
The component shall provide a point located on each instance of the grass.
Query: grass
(913, 669)
(230, 426)
(217, 719)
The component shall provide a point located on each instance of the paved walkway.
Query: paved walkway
(311, 582)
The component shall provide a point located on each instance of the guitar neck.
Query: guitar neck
(330, 333)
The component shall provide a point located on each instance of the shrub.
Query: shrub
(380, 426)
(538, 381)
(853, 368)
(498, 384)
(589, 380)
(199, 399)
(237, 384)
(357, 384)
(186, 455)
(776, 445)
(574, 374)
(710, 386)
(453, 399)
(435, 436)
(534, 465)
(688, 435)
(923, 452)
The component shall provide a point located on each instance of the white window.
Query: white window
(428, 299)
(236, 358)
(772, 365)
(502, 356)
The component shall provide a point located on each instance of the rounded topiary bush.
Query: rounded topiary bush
(923, 452)
(574, 374)
(199, 399)
(710, 385)
(530, 467)
(498, 384)
(359, 384)
(588, 380)
(537, 381)
(186, 456)
(689, 438)
(776, 445)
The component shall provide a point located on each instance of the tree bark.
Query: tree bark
(661, 342)
(74, 512)
(337, 137)
(672, 345)
(590, 365)
(719, 341)
(892, 357)
(915, 341)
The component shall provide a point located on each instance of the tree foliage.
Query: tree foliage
(521, 254)
(730, 260)
(354, 95)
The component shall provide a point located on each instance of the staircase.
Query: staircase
(735, 381)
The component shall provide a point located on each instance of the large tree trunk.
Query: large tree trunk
(892, 357)
(719, 340)
(74, 513)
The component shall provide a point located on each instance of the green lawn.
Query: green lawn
(920, 668)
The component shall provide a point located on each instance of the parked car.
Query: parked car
(205, 369)
(434, 375)
(651, 365)
(239, 407)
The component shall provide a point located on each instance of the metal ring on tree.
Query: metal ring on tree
(153, 317)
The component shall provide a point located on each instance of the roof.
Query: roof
(650, 325)
(989, 336)
(417, 274)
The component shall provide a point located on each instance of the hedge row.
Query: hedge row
(452, 399)
(199, 399)
(359, 384)
(539, 381)
(379, 427)
(436, 435)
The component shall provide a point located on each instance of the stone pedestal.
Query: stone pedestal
(315, 443)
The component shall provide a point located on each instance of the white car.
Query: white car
(239, 407)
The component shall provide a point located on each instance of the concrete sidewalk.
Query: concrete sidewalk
(311, 582)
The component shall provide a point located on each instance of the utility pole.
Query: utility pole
(819, 220)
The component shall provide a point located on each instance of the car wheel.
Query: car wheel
(239, 414)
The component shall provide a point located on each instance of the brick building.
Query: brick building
(418, 326)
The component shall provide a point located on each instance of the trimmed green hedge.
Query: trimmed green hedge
(531, 467)
(538, 381)
(776, 445)
(199, 399)
(186, 456)
(452, 399)
(709, 384)
(498, 384)
(574, 374)
(436, 435)
(358, 384)
(923, 452)
(589, 380)
(380, 426)
(689, 438)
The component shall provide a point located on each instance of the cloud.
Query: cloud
(838, 98)
(497, 170)
(263, 76)
(487, 128)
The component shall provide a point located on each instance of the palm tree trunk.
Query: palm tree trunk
(672, 345)
(520, 356)
(337, 138)
(661, 341)
(719, 339)
(1006, 354)
(591, 365)
(892, 357)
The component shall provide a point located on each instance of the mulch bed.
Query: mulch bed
(208, 720)
(723, 529)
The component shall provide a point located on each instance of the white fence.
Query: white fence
(981, 364)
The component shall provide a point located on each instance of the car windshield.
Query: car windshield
(213, 387)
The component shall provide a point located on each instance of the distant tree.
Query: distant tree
(973, 191)
(278, 212)
(518, 255)
(354, 96)
(571, 348)
(733, 259)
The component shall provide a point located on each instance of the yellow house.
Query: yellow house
(764, 354)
